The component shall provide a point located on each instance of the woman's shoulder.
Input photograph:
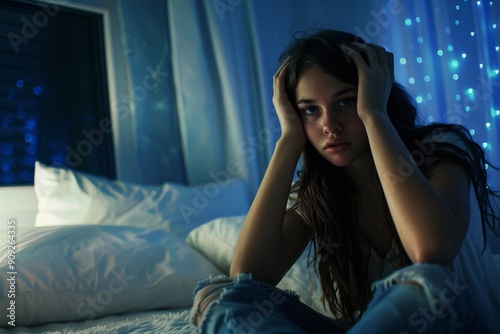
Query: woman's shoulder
(438, 143)
(447, 137)
(439, 132)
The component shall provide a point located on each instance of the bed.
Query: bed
(115, 257)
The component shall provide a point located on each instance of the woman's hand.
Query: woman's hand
(291, 124)
(376, 76)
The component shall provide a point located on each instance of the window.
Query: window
(53, 91)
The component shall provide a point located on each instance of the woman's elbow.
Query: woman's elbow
(258, 273)
(441, 254)
(234, 270)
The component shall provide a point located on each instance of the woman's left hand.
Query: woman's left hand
(376, 76)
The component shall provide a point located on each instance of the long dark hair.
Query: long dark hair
(323, 195)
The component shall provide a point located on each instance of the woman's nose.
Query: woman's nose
(330, 123)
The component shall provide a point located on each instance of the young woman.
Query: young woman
(405, 205)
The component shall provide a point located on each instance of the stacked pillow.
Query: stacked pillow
(69, 197)
(103, 247)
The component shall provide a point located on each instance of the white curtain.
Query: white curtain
(219, 101)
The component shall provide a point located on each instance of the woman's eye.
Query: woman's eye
(310, 110)
(346, 102)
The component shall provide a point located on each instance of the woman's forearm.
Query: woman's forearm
(259, 245)
(429, 229)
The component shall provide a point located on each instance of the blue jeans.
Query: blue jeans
(421, 298)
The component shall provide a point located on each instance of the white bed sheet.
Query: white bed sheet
(162, 321)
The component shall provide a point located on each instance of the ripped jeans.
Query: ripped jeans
(421, 298)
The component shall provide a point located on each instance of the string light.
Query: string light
(472, 72)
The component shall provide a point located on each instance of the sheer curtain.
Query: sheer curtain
(204, 120)
(219, 103)
(447, 54)
(150, 100)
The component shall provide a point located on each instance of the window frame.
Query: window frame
(119, 84)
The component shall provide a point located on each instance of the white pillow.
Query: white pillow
(68, 197)
(72, 273)
(216, 241)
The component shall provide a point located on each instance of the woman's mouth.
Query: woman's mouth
(336, 148)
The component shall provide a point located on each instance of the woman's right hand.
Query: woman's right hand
(290, 122)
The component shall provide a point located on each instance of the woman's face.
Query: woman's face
(327, 108)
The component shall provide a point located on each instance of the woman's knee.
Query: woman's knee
(236, 302)
(206, 293)
(439, 292)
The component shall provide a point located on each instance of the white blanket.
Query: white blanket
(172, 322)
(66, 274)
